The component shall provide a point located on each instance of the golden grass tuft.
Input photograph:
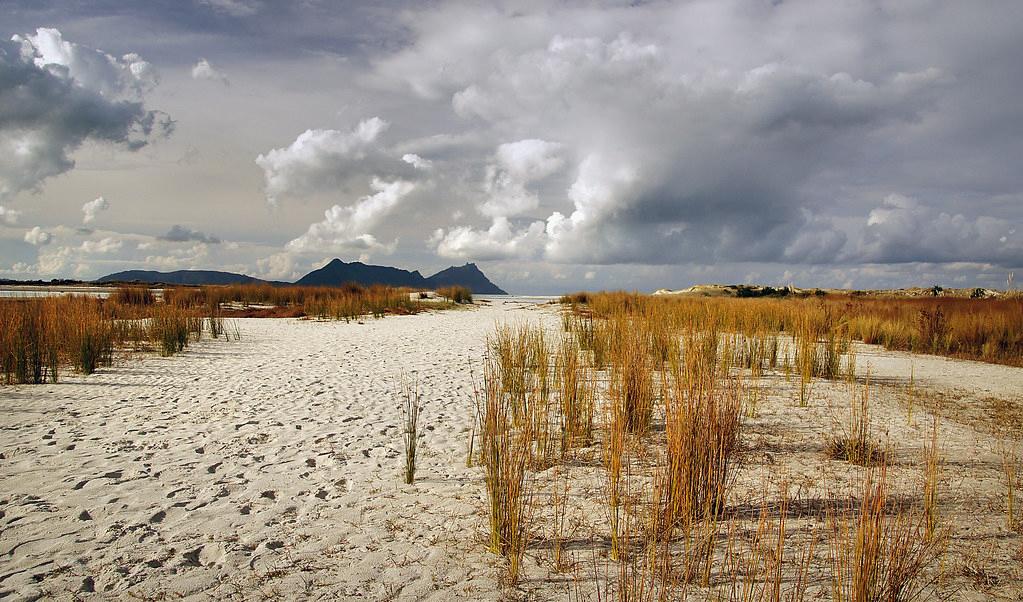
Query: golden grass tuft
(880, 550)
(505, 453)
(854, 443)
(671, 528)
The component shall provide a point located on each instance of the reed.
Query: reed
(880, 550)
(411, 408)
(756, 569)
(504, 457)
(29, 342)
(622, 363)
(88, 334)
(1011, 474)
(703, 424)
(631, 378)
(613, 459)
(133, 295)
(984, 329)
(932, 466)
(576, 393)
(558, 502)
(347, 302)
(41, 337)
(170, 328)
(854, 443)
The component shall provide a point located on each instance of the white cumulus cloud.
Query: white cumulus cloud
(347, 228)
(38, 237)
(500, 241)
(104, 245)
(517, 164)
(416, 161)
(92, 208)
(904, 229)
(316, 159)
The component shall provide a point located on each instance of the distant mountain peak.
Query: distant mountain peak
(468, 275)
(335, 273)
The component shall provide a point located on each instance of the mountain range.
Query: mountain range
(335, 273)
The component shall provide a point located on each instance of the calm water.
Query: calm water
(54, 291)
(103, 292)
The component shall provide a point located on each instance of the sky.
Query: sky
(560, 146)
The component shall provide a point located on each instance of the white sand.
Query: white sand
(270, 467)
(270, 464)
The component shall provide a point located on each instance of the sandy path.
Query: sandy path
(269, 465)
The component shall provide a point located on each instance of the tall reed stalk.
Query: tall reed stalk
(932, 465)
(411, 408)
(880, 550)
(504, 457)
(1011, 473)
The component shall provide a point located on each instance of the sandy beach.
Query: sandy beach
(269, 467)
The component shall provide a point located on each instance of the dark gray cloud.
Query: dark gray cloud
(713, 146)
(179, 233)
(226, 29)
(56, 95)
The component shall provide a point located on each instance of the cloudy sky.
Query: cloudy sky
(592, 145)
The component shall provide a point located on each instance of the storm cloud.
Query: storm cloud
(570, 145)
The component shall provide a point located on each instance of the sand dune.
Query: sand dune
(270, 467)
(270, 464)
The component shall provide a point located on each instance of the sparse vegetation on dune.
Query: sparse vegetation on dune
(880, 550)
(348, 302)
(656, 395)
(411, 408)
(989, 330)
(40, 338)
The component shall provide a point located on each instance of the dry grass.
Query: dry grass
(669, 526)
(347, 302)
(881, 550)
(1011, 475)
(932, 473)
(703, 420)
(39, 338)
(854, 443)
(456, 294)
(133, 295)
(504, 450)
(984, 329)
(411, 408)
